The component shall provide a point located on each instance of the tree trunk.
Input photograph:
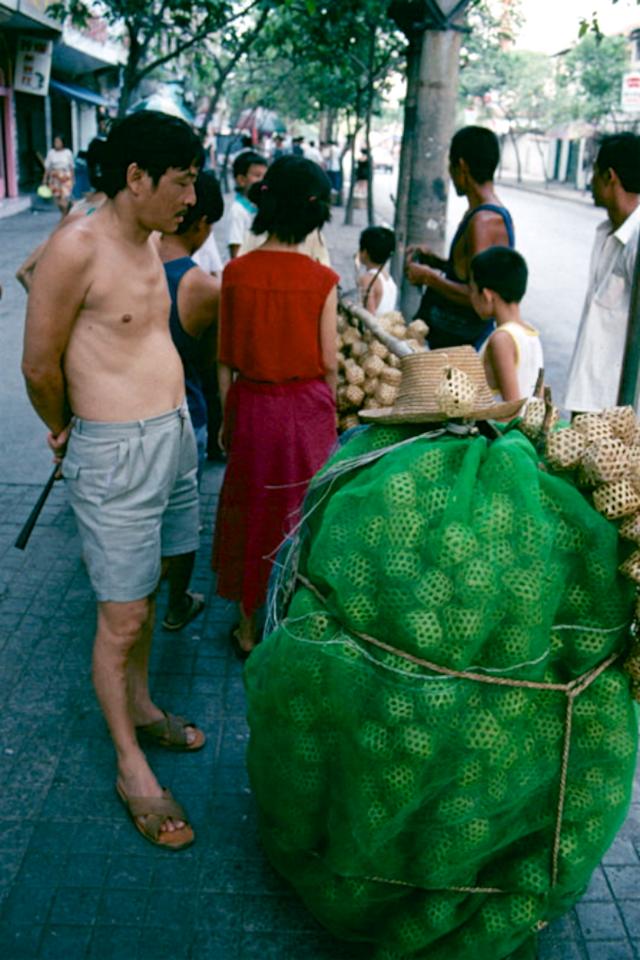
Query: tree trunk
(406, 153)
(367, 130)
(516, 150)
(348, 210)
(435, 123)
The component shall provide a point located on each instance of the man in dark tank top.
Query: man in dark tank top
(446, 305)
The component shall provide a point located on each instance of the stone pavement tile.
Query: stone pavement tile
(275, 913)
(19, 942)
(624, 881)
(64, 943)
(600, 921)
(85, 870)
(162, 943)
(320, 945)
(560, 950)
(113, 943)
(222, 876)
(630, 910)
(41, 867)
(75, 906)
(171, 910)
(612, 950)
(215, 944)
(598, 888)
(123, 908)
(130, 872)
(28, 903)
(217, 912)
(621, 853)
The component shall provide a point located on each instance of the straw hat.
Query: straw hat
(443, 385)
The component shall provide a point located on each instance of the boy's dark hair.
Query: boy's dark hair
(502, 270)
(94, 157)
(479, 148)
(621, 152)
(378, 242)
(292, 200)
(245, 160)
(209, 203)
(153, 140)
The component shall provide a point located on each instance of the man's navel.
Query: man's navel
(127, 318)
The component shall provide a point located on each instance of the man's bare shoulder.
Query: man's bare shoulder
(74, 241)
(202, 285)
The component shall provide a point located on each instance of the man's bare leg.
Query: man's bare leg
(120, 627)
(141, 707)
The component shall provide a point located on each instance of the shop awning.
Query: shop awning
(75, 92)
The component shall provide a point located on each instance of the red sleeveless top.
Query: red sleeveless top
(270, 307)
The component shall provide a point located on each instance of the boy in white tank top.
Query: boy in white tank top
(512, 355)
(378, 291)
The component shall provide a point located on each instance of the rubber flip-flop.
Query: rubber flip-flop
(195, 607)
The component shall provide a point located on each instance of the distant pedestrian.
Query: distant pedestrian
(363, 172)
(277, 372)
(279, 147)
(596, 365)
(446, 304)
(193, 323)
(297, 146)
(249, 167)
(312, 153)
(59, 169)
(334, 170)
(104, 375)
(512, 355)
(378, 290)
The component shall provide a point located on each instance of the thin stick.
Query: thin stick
(23, 537)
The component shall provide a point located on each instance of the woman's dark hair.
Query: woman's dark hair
(209, 203)
(378, 242)
(502, 270)
(621, 152)
(246, 159)
(292, 200)
(479, 148)
(153, 140)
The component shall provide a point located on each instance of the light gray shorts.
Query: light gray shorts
(133, 489)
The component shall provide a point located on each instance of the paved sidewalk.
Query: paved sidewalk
(76, 880)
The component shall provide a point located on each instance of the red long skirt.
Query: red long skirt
(277, 436)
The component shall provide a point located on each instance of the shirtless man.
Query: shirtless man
(446, 307)
(103, 373)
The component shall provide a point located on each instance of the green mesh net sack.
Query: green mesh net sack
(442, 737)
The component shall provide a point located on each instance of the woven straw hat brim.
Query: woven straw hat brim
(496, 411)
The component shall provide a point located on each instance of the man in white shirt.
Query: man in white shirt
(596, 364)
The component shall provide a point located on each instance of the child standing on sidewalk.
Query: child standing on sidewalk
(277, 363)
(512, 355)
(378, 290)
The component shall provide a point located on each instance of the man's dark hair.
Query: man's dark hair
(153, 140)
(502, 270)
(479, 148)
(621, 152)
(292, 200)
(378, 242)
(209, 203)
(245, 160)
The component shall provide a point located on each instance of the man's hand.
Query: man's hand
(58, 443)
(417, 274)
(422, 254)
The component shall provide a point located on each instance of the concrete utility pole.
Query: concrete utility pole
(433, 31)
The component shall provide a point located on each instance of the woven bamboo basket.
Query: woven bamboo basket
(565, 448)
(456, 394)
(593, 426)
(605, 461)
(630, 528)
(623, 423)
(631, 567)
(617, 499)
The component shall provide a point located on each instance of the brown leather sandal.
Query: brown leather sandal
(155, 811)
(170, 732)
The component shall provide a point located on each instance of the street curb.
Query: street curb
(557, 193)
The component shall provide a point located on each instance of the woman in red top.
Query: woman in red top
(277, 375)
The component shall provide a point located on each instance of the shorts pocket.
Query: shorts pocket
(96, 469)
